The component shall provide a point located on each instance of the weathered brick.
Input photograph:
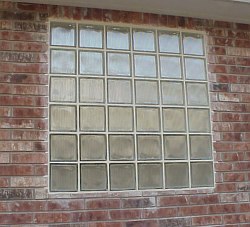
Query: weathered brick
(207, 220)
(143, 223)
(94, 204)
(16, 194)
(25, 158)
(124, 214)
(31, 181)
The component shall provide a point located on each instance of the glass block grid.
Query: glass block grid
(129, 109)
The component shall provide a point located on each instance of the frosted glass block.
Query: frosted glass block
(175, 147)
(119, 91)
(197, 94)
(195, 69)
(92, 90)
(174, 120)
(62, 89)
(145, 66)
(172, 93)
(148, 147)
(146, 92)
(170, 67)
(148, 119)
(92, 118)
(122, 176)
(144, 40)
(200, 147)
(93, 177)
(62, 118)
(62, 34)
(120, 119)
(118, 64)
(169, 42)
(199, 120)
(63, 178)
(63, 61)
(150, 176)
(202, 174)
(176, 175)
(63, 148)
(93, 147)
(91, 63)
(91, 36)
(121, 147)
(118, 38)
(193, 44)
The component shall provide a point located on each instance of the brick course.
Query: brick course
(24, 198)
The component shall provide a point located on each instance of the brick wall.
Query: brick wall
(24, 200)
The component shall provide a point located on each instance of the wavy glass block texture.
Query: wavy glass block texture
(128, 109)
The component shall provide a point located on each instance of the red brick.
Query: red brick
(4, 182)
(44, 218)
(207, 220)
(222, 208)
(5, 111)
(64, 204)
(29, 135)
(29, 46)
(138, 202)
(40, 170)
(5, 135)
(231, 219)
(172, 201)
(159, 212)
(192, 210)
(105, 224)
(31, 7)
(97, 215)
(35, 158)
(30, 112)
(144, 223)
(95, 204)
(16, 170)
(226, 187)
(12, 219)
(203, 199)
(124, 214)
(22, 206)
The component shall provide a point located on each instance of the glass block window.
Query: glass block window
(128, 110)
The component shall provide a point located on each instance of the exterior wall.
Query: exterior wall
(24, 198)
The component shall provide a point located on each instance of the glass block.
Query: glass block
(195, 69)
(193, 44)
(63, 147)
(144, 40)
(199, 120)
(146, 92)
(176, 175)
(94, 177)
(92, 118)
(169, 42)
(197, 94)
(93, 147)
(148, 119)
(150, 175)
(202, 174)
(145, 66)
(118, 38)
(62, 89)
(63, 61)
(122, 176)
(170, 67)
(91, 63)
(148, 147)
(121, 147)
(118, 64)
(200, 147)
(174, 120)
(121, 119)
(91, 36)
(62, 34)
(172, 93)
(63, 178)
(175, 147)
(119, 91)
(91, 90)
(62, 118)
